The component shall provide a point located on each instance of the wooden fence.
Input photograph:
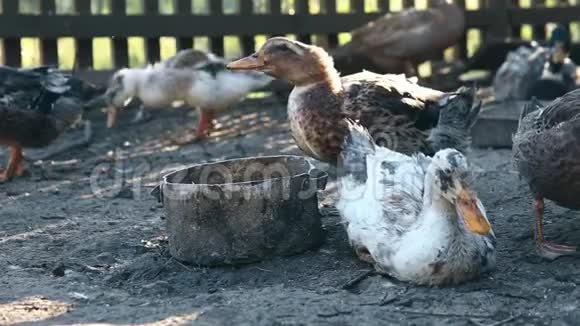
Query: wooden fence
(496, 19)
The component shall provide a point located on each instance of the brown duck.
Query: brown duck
(37, 123)
(397, 42)
(398, 113)
(546, 151)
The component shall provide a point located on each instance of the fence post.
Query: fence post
(184, 8)
(500, 28)
(216, 8)
(49, 46)
(120, 44)
(12, 47)
(247, 41)
(84, 53)
(152, 43)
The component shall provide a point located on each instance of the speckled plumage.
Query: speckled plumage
(399, 212)
(546, 149)
(398, 113)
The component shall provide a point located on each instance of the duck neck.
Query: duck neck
(433, 201)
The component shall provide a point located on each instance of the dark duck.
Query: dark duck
(559, 73)
(546, 151)
(399, 114)
(36, 106)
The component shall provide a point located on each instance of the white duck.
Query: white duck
(413, 217)
(198, 79)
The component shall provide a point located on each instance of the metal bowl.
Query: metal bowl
(243, 210)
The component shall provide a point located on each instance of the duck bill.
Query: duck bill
(252, 62)
(468, 209)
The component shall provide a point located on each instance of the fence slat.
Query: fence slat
(275, 7)
(120, 44)
(84, 46)
(216, 8)
(330, 9)
(303, 8)
(357, 6)
(184, 8)
(461, 48)
(153, 48)
(49, 46)
(539, 30)
(500, 27)
(12, 47)
(384, 5)
(247, 41)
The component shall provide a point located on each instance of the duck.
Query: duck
(413, 217)
(546, 152)
(399, 113)
(398, 42)
(37, 122)
(198, 79)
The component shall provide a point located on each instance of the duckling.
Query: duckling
(546, 150)
(399, 114)
(413, 217)
(197, 80)
(38, 123)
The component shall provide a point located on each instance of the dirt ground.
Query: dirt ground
(73, 255)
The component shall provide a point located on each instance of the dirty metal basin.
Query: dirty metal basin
(243, 210)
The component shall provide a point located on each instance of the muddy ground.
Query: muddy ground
(70, 255)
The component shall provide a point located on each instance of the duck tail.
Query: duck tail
(457, 116)
(530, 107)
(358, 144)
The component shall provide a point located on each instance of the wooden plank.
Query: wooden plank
(303, 8)
(216, 41)
(247, 41)
(184, 8)
(539, 30)
(204, 25)
(384, 5)
(499, 29)
(84, 43)
(152, 46)
(330, 11)
(120, 44)
(49, 46)
(357, 6)
(461, 47)
(12, 48)
(275, 7)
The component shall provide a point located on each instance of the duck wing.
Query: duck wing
(367, 94)
(376, 179)
(188, 58)
(561, 110)
(396, 110)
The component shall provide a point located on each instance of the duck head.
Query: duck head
(450, 174)
(295, 62)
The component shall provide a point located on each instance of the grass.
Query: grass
(103, 58)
